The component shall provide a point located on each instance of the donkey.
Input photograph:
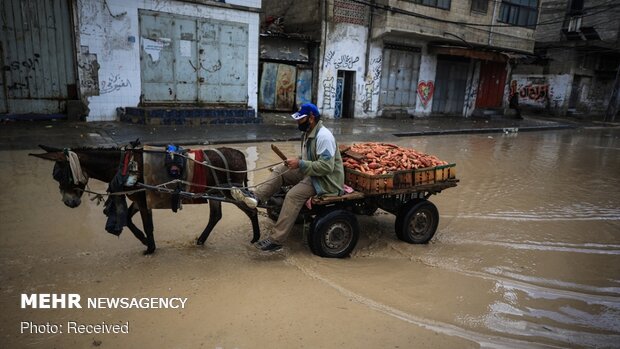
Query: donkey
(103, 164)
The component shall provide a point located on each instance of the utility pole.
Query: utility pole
(614, 100)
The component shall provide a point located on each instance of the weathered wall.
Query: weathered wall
(299, 16)
(426, 79)
(511, 37)
(109, 31)
(549, 92)
(600, 14)
(345, 50)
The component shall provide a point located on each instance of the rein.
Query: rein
(81, 176)
(206, 164)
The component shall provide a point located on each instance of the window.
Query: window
(523, 13)
(442, 4)
(576, 7)
(479, 5)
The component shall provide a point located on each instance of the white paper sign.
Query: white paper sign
(186, 48)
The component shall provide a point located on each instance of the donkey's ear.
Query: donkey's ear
(49, 149)
(54, 156)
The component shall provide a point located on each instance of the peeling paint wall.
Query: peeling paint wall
(109, 31)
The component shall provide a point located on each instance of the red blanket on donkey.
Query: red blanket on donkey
(199, 175)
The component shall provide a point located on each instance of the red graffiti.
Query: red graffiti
(425, 91)
(535, 92)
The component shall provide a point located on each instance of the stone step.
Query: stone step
(187, 116)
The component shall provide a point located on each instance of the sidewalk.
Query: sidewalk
(274, 127)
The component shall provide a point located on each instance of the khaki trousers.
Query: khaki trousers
(295, 198)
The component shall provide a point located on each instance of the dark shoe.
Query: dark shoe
(246, 197)
(268, 246)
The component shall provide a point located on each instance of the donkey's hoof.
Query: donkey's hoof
(200, 242)
(149, 251)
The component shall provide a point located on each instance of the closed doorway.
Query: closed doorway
(450, 84)
(37, 57)
(192, 60)
(399, 78)
(492, 84)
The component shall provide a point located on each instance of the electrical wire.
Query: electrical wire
(418, 15)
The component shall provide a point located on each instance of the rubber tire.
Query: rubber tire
(325, 225)
(424, 215)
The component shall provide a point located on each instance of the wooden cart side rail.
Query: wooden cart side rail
(432, 188)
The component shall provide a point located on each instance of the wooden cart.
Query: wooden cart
(334, 229)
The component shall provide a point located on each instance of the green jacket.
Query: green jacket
(321, 161)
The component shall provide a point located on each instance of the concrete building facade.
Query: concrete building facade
(111, 54)
(415, 57)
(579, 46)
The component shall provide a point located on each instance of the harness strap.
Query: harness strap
(207, 163)
(225, 165)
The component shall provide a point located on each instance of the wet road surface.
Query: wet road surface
(526, 255)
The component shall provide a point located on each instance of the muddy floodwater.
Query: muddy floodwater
(527, 254)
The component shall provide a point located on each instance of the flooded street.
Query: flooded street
(527, 254)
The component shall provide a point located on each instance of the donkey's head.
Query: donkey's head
(71, 188)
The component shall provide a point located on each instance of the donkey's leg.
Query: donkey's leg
(147, 224)
(252, 213)
(215, 214)
(133, 209)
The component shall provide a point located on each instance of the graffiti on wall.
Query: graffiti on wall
(425, 92)
(113, 83)
(89, 73)
(328, 58)
(29, 64)
(534, 92)
(346, 61)
(23, 67)
(371, 84)
(329, 92)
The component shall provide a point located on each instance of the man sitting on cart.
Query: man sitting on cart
(318, 171)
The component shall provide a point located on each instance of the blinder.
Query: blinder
(62, 173)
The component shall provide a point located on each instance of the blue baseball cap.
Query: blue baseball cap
(305, 110)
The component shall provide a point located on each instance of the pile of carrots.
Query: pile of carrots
(383, 158)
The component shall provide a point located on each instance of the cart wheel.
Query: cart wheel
(417, 221)
(334, 234)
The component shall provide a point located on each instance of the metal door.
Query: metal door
(223, 62)
(450, 83)
(303, 93)
(267, 90)
(157, 66)
(492, 84)
(192, 60)
(399, 78)
(37, 54)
